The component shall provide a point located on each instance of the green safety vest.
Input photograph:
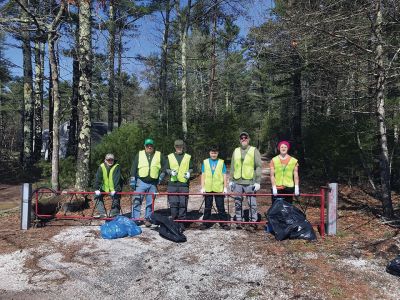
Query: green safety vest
(213, 182)
(284, 173)
(108, 182)
(182, 168)
(244, 170)
(153, 170)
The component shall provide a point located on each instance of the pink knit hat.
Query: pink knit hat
(284, 143)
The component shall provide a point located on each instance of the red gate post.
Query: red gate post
(331, 224)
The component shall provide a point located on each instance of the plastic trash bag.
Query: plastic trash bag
(168, 229)
(119, 227)
(393, 266)
(288, 222)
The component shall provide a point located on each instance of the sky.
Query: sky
(145, 43)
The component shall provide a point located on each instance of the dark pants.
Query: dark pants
(286, 190)
(219, 202)
(115, 205)
(178, 203)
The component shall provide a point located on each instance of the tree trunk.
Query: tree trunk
(119, 74)
(85, 66)
(27, 107)
(73, 122)
(380, 113)
(51, 110)
(164, 67)
(111, 71)
(39, 70)
(211, 91)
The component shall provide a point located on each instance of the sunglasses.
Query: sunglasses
(149, 145)
(110, 159)
(243, 138)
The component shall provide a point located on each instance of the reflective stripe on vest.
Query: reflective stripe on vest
(245, 171)
(213, 182)
(182, 168)
(153, 170)
(108, 182)
(284, 173)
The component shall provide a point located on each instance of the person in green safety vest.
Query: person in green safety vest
(213, 180)
(245, 176)
(284, 173)
(108, 180)
(179, 167)
(146, 173)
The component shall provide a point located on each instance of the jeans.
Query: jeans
(143, 187)
(245, 189)
(178, 203)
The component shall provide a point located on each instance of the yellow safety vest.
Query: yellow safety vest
(245, 170)
(213, 182)
(108, 182)
(182, 168)
(284, 173)
(153, 170)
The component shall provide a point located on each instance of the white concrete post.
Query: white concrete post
(26, 206)
(332, 209)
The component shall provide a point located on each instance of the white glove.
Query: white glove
(97, 193)
(274, 190)
(187, 175)
(174, 173)
(232, 185)
(112, 193)
(296, 190)
(225, 190)
(256, 187)
(202, 190)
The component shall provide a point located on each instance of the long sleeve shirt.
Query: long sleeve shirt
(257, 167)
(148, 179)
(179, 158)
(99, 180)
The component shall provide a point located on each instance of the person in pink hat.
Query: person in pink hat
(284, 174)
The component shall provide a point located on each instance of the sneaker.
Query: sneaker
(239, 226)
(114, 214)
(147, 223)
(251, 228)
(203, 227)
(100, 216)
(225, 227)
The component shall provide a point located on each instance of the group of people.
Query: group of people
(150, 167)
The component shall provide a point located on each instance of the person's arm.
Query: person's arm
(167, 167)
(98, 182)
(296, 180)
(117, 179)
(163, 168)
(135, 166)
(232, 168)
(190, 166)
(272, 173)
(257, 166)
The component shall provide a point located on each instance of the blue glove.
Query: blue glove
(133, 183)
(161, 178)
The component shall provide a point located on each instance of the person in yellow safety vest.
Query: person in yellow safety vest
(284, 172)
(179, 167)
(147, 172)
(108, 179)
(213, 180)
(245, 176)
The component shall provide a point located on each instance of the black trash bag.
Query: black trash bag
(393, 266)
(289, 222)
(168, 229)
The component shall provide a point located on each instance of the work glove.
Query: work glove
(97, 193)
(274, 190)
(174, 173)
(225, 190)
(202, 190)
(161, 178)
(112, 193)
(132, 183)
(256, 187)
(187, 175)
(296, 190)
(232, 185)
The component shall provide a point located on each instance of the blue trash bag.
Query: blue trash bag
(119, 227)
(131, 227)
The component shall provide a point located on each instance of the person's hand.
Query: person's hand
(187, 175)
(174, 173)
(225, 190)
(296, 190)
(256, 187)
(112, 193)
(97, 192)
(232, 185)
(274, 190)
(132, 183)
(202, 190)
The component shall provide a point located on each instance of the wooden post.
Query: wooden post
(26, 206)
(332, 209)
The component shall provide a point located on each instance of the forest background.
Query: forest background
(322, 74)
